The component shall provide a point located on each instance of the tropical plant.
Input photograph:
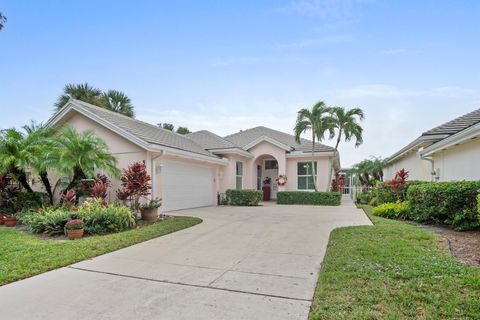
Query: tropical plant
(117, 101)
(399, 180)
(74, 224)
(39, 145)
(369, 171)
(152, 204)
(345, 124)
(14, 156)
(3, 19)
(135, 185)
(83, 92)
(316, 121)
(99, 191)
(80, 155)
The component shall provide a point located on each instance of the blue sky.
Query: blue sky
(226, 66)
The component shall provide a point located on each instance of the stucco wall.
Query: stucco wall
(125, 151)
(323, 165)
(418, 169)
(459, 162)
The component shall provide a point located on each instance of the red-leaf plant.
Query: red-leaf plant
(69, 198)
(99, 191)
(135, 185)
(338, 183)
(399, 180)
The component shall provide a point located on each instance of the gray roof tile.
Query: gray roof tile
(245, 137)
(145, 131)
(210, 141)
(456, 125)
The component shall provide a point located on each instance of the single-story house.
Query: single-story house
(449, 152)
(189, 171)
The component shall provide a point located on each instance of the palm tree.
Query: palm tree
(117, 101)
(315, 121)
(345, 124)
(83, 92)
(3, 19)
(80, 155)
(14, 157)
(40, 145)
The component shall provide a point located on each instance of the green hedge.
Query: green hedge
(384, 193)
(315, 198)
(453, 203)
(391, 210)
(247, 197)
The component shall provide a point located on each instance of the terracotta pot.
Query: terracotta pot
(2, 216)
(150, 215)
(75, 234)
(10, 221)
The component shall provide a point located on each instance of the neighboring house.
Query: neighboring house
(190, 170)
(448, 152)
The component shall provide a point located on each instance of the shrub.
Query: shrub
(391, 210)
(101, 219)
(313, 198)
(453, 203)
(388, 192)
(31, 200)
(243, 197)
(135, 185)
(364, 198)
(50, 221)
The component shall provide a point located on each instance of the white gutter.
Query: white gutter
(232, 150)
(300, 154)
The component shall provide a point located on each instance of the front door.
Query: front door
(271, 171)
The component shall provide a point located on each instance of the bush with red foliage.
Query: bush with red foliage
(135, 185)
(338, 183)
(99, 191)
(69, 199)
(399, 180)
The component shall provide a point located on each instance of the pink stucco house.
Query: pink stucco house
(190, 170)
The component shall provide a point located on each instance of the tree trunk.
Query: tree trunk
(46, 184)
(22, 178)
(314, 173)
(77, 176)
(329, 186)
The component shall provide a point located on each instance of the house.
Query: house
(449, 152)
(191, 170)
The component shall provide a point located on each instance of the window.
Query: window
(305, 176)
(239, 176)
(271, 164)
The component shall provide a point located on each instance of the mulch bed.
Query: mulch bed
(464, 246)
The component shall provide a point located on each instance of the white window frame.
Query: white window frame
(308, 175)
(238, 175)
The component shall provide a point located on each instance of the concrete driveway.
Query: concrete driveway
(240, 263)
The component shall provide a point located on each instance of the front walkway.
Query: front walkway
(240, 263)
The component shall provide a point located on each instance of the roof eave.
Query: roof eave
(415, 144)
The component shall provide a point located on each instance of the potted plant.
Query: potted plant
(74, 229)
(149, 210)
(10, 220)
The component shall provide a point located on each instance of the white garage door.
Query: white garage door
(186, 186)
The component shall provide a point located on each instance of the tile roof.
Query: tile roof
(245, 137)
(456, 125)
(210, 141)
(145, 131)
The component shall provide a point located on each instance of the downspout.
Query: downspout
(153, 173)
(432, 169)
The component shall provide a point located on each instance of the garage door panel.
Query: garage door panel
(186, 186)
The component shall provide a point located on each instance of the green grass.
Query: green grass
(23, 254)
(393, 270)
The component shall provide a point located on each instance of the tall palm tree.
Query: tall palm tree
(40, 145)
(83, 92)
(345, 124)
(14, 157)
(80, 155)
(3, 19)
(117, 101)
(315, 121)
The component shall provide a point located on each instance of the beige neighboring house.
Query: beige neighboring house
(449, 152)
(189, 171)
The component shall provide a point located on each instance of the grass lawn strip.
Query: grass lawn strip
(24, 255)
(393, 270)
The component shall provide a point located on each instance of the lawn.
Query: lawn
(393, 270)
(23, 254)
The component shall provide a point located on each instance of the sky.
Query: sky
(225, 66)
